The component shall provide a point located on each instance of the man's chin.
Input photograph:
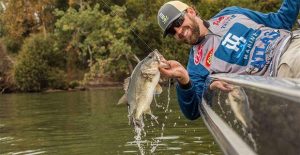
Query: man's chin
(190, 41)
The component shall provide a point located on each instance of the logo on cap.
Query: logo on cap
(163, 18)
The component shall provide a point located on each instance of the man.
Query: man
(236, 40)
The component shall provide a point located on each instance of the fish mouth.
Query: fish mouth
(158, 56)
(161, 60)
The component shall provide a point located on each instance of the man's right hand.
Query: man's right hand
(221, 85)
(175, 70)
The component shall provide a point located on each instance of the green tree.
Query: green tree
(39, 65)
(97, 38)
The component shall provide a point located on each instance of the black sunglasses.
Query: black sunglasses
(176, 23)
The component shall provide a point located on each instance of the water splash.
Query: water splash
(138, 139)
(139, 128)
(153, 117)
(154, 145)
(169, 98)
(156, 104)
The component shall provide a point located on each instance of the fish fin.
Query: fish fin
(126, 84)
(160, 80)
(148, 111)
(123, 100)
(158, 89)
(138, 114)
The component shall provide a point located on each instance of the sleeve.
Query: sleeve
(189, 99)
(284, 18)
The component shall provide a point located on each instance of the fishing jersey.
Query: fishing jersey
(239, 41)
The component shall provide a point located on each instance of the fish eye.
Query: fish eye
(151, 56)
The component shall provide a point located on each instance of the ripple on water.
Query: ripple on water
(28, 152)
(167, 137)
(133, 151)
(174, 148)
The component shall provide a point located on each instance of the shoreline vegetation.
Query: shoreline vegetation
(74, 45)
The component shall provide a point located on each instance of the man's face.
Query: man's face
(189, 31)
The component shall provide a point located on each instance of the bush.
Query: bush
(38, 65)
(74, 84)
(12, 45)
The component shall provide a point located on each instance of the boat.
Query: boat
(261, 115)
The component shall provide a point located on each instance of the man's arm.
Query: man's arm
(190, 98)
(284, 18)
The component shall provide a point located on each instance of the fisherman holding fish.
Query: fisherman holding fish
(236, 40)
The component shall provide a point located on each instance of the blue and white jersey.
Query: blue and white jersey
(240, 41)
(237, 44)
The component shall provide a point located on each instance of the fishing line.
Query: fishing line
(130, 28)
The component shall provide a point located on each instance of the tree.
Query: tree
(97, 37)
(39, 65)
(23, 17)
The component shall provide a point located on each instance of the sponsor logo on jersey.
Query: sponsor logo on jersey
(209, 57)
(236, 44)
(198, 54)
(226, 21)
(259, 59)
(233, 42)
(218, 20)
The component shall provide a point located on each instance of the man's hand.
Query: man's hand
(221, 85)
(175, 70)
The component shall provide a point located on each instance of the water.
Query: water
(89, 122)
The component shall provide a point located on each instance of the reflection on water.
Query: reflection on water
(89, 122)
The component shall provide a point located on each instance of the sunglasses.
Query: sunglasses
(176, 23)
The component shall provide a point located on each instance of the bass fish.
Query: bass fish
(141, 87)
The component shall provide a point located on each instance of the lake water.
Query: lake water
(90, 122)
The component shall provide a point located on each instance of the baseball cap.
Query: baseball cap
(169, 12)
